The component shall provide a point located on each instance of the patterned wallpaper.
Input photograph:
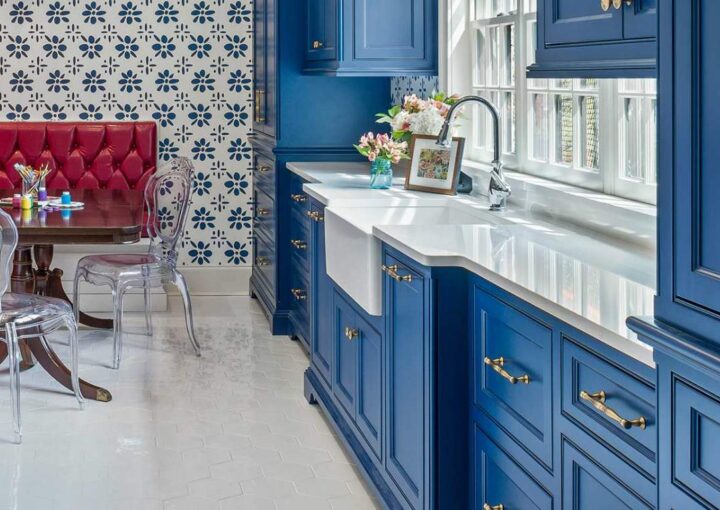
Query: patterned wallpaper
(184, 63)
(405, 85)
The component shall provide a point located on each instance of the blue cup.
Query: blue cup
(65, 198)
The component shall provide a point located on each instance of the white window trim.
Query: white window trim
(456, 36)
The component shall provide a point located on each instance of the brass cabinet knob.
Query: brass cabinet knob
(299, 198)
(317, 45)
(299, 294)
(604, 4)
(298, 244)
(497, 364)
(264, 169)
(315, 216)
(495, 507)
(597, 400)
(262, 261)
(263, 212)
(392, 272)
(351, 333)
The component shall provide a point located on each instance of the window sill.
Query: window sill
(610, 216)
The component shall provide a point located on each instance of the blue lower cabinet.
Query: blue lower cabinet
(369, 384)
(321, 335)
(344, 384)
(500, 483)
(588, 485)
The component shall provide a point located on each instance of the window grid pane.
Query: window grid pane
(590, 132)
(564, 129)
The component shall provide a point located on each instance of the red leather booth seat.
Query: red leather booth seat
(107, 155)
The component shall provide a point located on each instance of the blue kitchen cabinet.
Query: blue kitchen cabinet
(345, 373)
(264, 87)
(321, 337)
(578, 39)
(371, 37)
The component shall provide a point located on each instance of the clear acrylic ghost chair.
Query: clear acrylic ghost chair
(27, 316)
(167, 198)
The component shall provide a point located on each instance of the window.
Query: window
(597, 134)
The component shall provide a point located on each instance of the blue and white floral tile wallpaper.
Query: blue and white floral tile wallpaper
(422, 86)
(187, 64)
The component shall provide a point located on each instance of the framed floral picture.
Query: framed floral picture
(433, 168)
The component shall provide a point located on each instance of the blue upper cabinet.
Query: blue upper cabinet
(371, 37)
(688, 208)
(578, 38)
(265, 68)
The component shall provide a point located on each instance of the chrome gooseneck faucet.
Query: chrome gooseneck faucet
(499, 189)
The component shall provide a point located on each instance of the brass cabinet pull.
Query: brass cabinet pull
(604, 4)
(263, 212)
(299, 198)
(262, 261)
(392, 272)
(315, 216)
(264, 169)
(259, 100)
(497, 364)
(317, 45)
(597, 400)
(297, 243)
(299, 294)
(496, 507)
(351, 333)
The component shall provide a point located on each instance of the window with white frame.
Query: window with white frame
(597, 134)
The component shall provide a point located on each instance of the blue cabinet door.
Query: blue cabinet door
(265, 67)
(408, 398)
(321, 30)
(344, 385)
(370, 384)
(640, 19)
(322, 295)
(573, 21)
(390, 30)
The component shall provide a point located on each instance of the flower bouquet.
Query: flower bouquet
(382, 151)
(418, 116)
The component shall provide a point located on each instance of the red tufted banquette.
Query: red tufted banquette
(113, 155)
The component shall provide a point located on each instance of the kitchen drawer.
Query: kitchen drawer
(586, 378)
(264, 262)
(499, 480)
(589, 484)
(265, 217)
(300, 293)
(299, 199)
(300, 240)
(696, 439)
(264, 174)
(513, 372)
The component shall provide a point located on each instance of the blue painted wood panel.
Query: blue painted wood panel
(588, 485)
(571, 21)
(525, 344)
(345, 374)
(408, 398)
(322, 23)
(390, 30)
(370, 385)
(640, 19)
(322, 301)
(499, 480)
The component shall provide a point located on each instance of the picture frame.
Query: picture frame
(433, 169)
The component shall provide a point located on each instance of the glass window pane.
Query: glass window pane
(588, 84)
(508, 55)
(561, 84)
(631, 86)
(651, 143)
(530, 6)
(590, 132)
(632, 167)
(508, 120)
(538, 127)
(564, 128)
(481, 47)
(493, 60)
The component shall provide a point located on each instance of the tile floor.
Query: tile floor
(227, 431)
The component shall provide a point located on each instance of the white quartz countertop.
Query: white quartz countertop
(587, 281)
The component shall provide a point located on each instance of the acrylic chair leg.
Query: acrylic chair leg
(14, 359)
(182, 287)
(117, 326)
(76, 295)
(148, 310)
(75, 360)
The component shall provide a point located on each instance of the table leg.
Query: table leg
(50, 284)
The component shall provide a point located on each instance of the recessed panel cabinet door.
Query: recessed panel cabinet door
(697, 174)
(390, 29)
(345, 369)
(581, 21)
(322, 294)
(369, 394)
(322, 29)
(640, 19)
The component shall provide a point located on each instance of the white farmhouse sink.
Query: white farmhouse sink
(353, 253)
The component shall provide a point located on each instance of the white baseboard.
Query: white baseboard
(202, 281)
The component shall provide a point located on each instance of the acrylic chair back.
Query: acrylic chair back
(167, 197)
(9, 240)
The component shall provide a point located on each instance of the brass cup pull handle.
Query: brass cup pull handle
(597, 400)
(351, 333)
(262, 261)
(495, 507)
(392, 272)
(263, 212)
(299, 294)
(315, 216)
(605, 5)
(297, 243)
(259, 98)
(497, 364)
(299, 198)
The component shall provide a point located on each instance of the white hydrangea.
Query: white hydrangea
(426, 122)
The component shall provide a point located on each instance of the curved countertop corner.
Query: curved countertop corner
(589, 282)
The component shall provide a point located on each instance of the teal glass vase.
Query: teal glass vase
(381, 175)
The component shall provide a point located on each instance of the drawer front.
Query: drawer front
(696, 441)
(300, 240)
(344, 384)
(264, 174)
(588, 485)
(500, 481)
(264, 264)
(298, 198)
(264, 216)
(509, 343)
(586, 378)
(300, 293)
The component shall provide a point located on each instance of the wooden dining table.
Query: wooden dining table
(107, 217)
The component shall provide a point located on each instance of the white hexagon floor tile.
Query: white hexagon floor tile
(230, 430)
